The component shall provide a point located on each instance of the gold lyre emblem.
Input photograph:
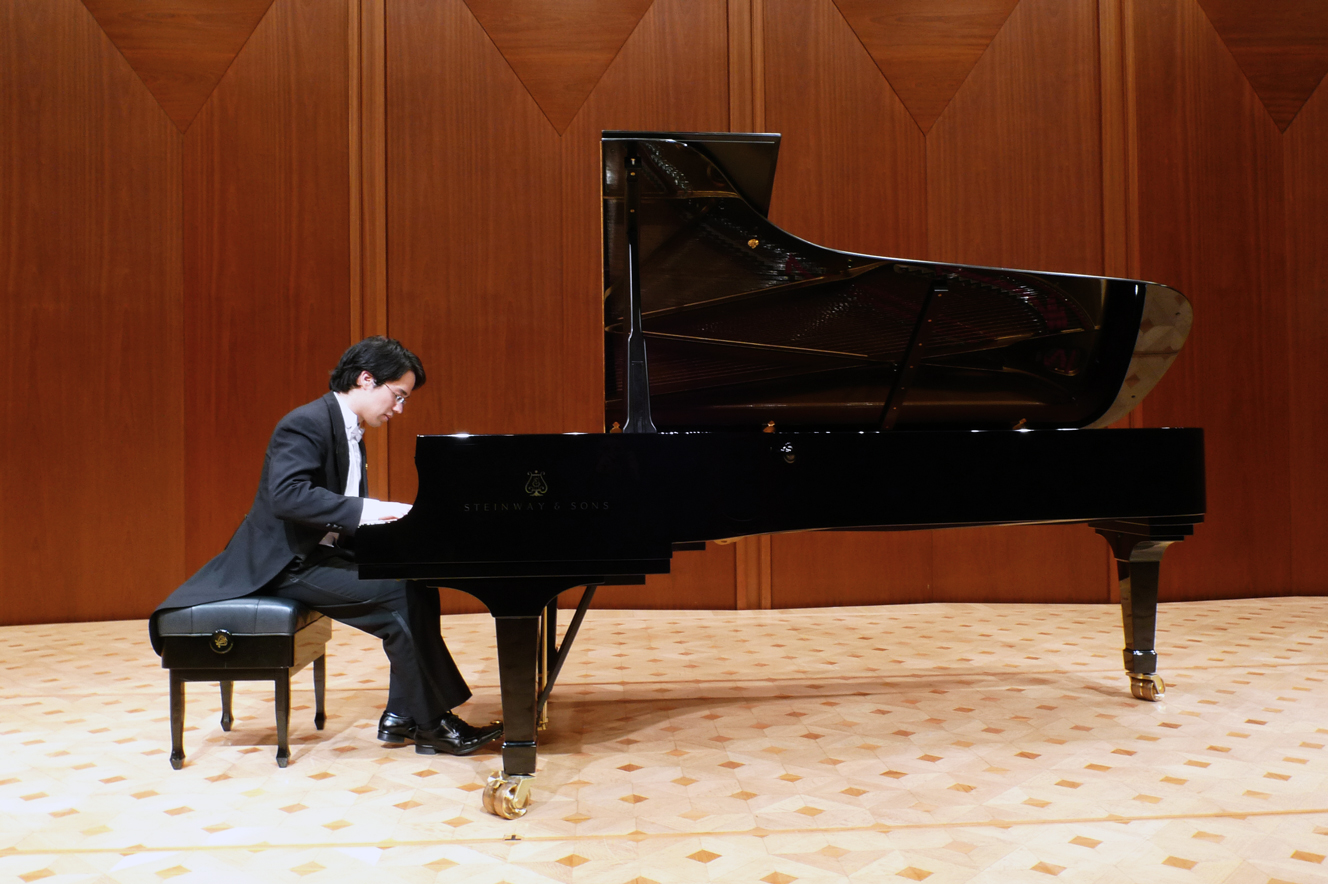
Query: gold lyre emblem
(535, 484)
(222, 641)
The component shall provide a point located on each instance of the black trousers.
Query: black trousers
(425, 681)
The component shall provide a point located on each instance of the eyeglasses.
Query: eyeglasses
(397, 394)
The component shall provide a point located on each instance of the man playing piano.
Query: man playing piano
(295, 543)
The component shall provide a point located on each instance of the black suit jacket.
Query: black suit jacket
(300, 498)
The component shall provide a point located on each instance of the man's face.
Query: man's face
(375, 404)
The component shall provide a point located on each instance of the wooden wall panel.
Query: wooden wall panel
(925, 56)
(1212, 224)
(852, 175)
(827, 568)
(266, 235)
(1306, 169)
(91, 496)
(559, 48)
(1281, 47)
(179, 48)
(852, 166)
(473, 209)
(1014, 179)
(1014, 163)
(1022, 563)
(180, 293)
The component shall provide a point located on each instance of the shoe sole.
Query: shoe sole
(389, 737)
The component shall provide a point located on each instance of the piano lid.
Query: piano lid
(744, 323)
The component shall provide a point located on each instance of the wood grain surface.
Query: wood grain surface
(1305, 144)
(852, 163)
(168, 297)
(266, 234)
(92, 492)
(1212, 224)
(180, 48)
(1280, 45)
(925, 49)
(474, 205)
(1014, 167)
(367, 70)
(824, 568)
(559, 48)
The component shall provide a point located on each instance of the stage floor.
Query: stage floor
(945, 743)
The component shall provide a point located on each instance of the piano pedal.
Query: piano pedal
(1147, 687)
(507, 796)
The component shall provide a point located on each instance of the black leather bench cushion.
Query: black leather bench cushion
(251, 615)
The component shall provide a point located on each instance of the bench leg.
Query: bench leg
(282, 685)
(177, 721)
(320, 688)
(227, 689)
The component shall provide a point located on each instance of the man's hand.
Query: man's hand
(377, 512)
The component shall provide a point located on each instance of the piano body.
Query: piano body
(758, 383)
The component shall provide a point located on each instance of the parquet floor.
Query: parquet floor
(939, 743)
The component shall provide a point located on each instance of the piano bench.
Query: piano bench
(254, 638)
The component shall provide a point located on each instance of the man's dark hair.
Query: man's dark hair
(384, 358)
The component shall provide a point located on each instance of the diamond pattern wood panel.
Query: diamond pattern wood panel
(179, 48)
(1280, 45)
(1306, 175)
(559, 48)
(1212, 223)
(93, 482)
(923, 48)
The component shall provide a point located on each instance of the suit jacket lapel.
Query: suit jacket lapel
(364, 471)
(340, 445)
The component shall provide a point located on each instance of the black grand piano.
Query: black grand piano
(758, 383)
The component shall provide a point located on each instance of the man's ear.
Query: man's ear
(365, 381)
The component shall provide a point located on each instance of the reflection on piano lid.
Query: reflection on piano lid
(719, 319)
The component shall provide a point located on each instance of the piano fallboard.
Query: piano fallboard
(614, 504)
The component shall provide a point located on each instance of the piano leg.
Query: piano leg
(1138, 548)
(518, 605)
(1138, 593)
(507, 793)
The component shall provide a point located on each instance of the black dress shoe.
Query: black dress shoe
(393, 728)
(452, 736)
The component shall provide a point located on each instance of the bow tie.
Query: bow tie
(355, 433)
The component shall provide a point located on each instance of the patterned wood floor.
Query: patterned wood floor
(945, 743)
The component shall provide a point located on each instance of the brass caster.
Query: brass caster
(1147, 687)
(507, 796)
